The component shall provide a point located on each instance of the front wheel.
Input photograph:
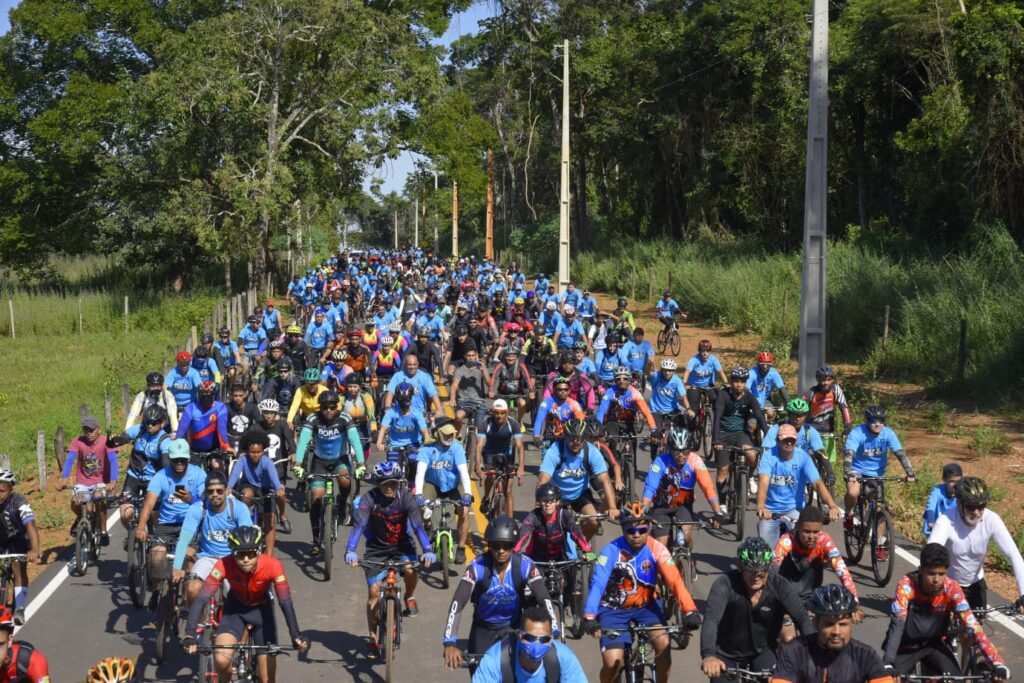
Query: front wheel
(625, 496)
(83, 549)
(662, 341)
(853, 536)
(137, 585)
(326, 540)
(207, 673)
(741, 503)
(444, 547)
(882, 547)
(389, 637)
(578, 598)
(165, 618)
(676, 343)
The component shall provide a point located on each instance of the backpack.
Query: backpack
(25, 651)
(585, 457)
(552, 667)
(484, 582)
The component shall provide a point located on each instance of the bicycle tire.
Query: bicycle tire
(328, 545)
(389, 640)
(7, 589)
(853, 538)
(706, 430)
(82, 554)
(206, 672)
(741, 503)
(662, 342)
(444, 547)
(137, 586)
(883, 574)
(675, 343)
(626, 495)
(579, 598)
(164, 620)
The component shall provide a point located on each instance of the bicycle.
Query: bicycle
(734, 496)
(444, 535)
(401, 455)
(495, 500)
(639, 654)
(389, 609)
(682, 558)
(245, 664)
(138, 558)
(626, 455)
(748, 676)
(7, 577)
(705, 421)
(87, 534)
(669, 338)
(560, 577)
(171, 612)
(331, 516)
(208, 626)
(870, 512)
(972, 661)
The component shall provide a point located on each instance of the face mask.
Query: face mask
(534, 651)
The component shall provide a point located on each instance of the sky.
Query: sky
(5, 7)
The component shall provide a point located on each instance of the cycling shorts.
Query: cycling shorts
(618, 620)
(260, 617)
(498, 461)
(976, 594)
(14, 546)
(168, 533)
(83, 493)
(585, 498)
(267, 503)
(740, 439)
(318, 466)
(663, 516)
(404, 551)
(430, 492)
(202, 567)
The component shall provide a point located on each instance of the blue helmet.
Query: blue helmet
(404, 393)
(386, 471)
(823, 372)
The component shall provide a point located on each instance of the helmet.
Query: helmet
(514, 327)
(6, 619)
(183, 357)
(356, 333)
(502, 530)
(575, 429)
(293, 329)
(765, 357)
(569, 310)
(207, 388)
(518, 301)
(276, 344)
(201, 352)
(207, 338)
(547, 491)
(224, 332)
(679, 439)
(387, 341)
(112, 670)
(354, 378)
(823, 372)
(594, 428)
(245, 538)
(328, 398)
(461, 330)
(404, 393)
(833, 600)
(969, 491)
(613, 339)
(739, 372)
(253, 320)
(7, 476)
(284, 364)
(754, 554)
(798, 406)
(566, 356)
(622, 371)
(311, 375)
(154, 378)
(422, 331)
(269, 405)
(385, 471)
(154, 413)
(395, 327)
(874, 413)
(551, 305)
(580, 345)
(669, 364)
(631, 513)
(704, 345)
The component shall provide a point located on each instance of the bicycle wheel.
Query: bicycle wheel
(206, 673)
(626, 495)
(853, 537)
(662, 341)
(389, 639)
(82, 549)
(882, 567)
(164, 620)
(741, 503)
(328, 542)
(675, 343)
(705, 434)
(137, 586)
(444, 548)
(498, 500)
(579, 599)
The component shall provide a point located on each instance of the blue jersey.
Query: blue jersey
(665, 393)
(607, 362)
(185, 387)
(317, 336)
(569, 333)
(207, 368)
(871, 452)
(498, 604)
(422, 382)
(148, 450)
(206, 430)
(666, 307)
(262, 477)
(252, 340)
(702, 373)
(787, 479)
(331, 439)
(637, 355)
(587, 367)
(572, 473)
(762, 386)
(227, 352)
(404, 429)
(172, 509)
(587, 307)
(212, 529)
(570, 298)
(939, 503)
(270, 320)
(807, 438)
(550, 320)
(443, 464)
(540, 285)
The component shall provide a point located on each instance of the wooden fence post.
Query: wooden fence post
(195, 337)
(961, 356)
(5, 461)
(126, 314)
(41, 458)
(785, 312)
(58, 448)
(106, 408)
(126, 399)
(885, 331)
(83, 410)
(650, 283)
(10, 307)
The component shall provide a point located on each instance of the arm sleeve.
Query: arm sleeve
(835, 559)
(300, 450)
(542, 597)
(941, 530)
(654, 475)
(112, 460)
(355, 443)
(294, 409)
(714, 610)
(673, 580)
(787, 667)
(572, 528)
(542, 416)
(188, 531)
(463, 594)
(284, 598)
(210, 586)
(136, 411)
(359, 521)
(602, 410)
(69, 463)
(236, 473)
(467, 486)
(172, 410)
(719, 408)
(222, 428)
(1006, 543)
(184, 422)
(646, 412)
(416, 521)
(421, 472)
(599, 580)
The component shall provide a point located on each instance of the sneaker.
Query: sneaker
(286, 525)
(411, 609)
(375, 649)
(752, 487)
(881, 554)
(485, 507)
(317, 550)
(19, 616)
(124, 544)
(104, 539)
(346, 519)
(460, 555)
(723, 509)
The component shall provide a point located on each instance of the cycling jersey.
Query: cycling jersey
(15, 514)
(669, 484)
(607, 361)
(306, 401)
(624, 579)
(571, 298)
(550, 320)
(731, 414)
(968, 546)
(227, 352)
(805, 661)
(498, 603)
(360, 409)
(544, 539)
(386, 522)
(496, 437)
(939, 503)
(666, 307)
(804, 567)
(557, 413)
(262, 476)
(702, 373)
(572, 473)
(421, 382)
(207, 369)
(165, 399)
(511, 381)
(270, 320)
(787, 479)
(149, 452)
(762, 385)
(807, 438)
(318, 334)
(444, 467)
(823, 405)
(184, 387)
(404, 429)
(211, 527)
(163, 485)
(587, 367)
(569, 333)
(871, 451)
(386, 362)
(666, 393)
(637, 355)
(36, 669)
(205, 429)
(920, 620)
(492, 666)
(623, 404)
(252, 341)
(332, 439)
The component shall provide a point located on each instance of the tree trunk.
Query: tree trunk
(227, 275)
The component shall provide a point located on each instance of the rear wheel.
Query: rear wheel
(137, 585)
(498, 499)
(662, 341)
(328, 509)
(444, 547)
(626, 495)
(389, 637)
(207, 674)
(165, 618)
(578, 598)
(676, 343)
(882, 544)
(853, 537)
(741, 503)
(82, 549)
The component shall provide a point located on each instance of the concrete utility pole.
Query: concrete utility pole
(396, 230)
(563, 216)
(416, 223)
(490, 205)
(437, 218)
(813, 299)
(455, 219)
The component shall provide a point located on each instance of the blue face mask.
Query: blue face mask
(534, 651)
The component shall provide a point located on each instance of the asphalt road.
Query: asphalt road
(91, 617)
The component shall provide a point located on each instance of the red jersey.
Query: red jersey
(36, 669)
(250, 589)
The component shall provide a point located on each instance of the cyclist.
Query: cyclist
(701, 371)
(154, 394)
(783, 475)
(333, 436)
(499, 446)
(285, 382)
(830, 654)
(511, 381)
(212, 519)
(620, 405)
(307, 398)
(735, 408)
(623, 591)
(427, 351)
(824, 399)
(19, 535)
(171, 491)
(670, 486)
(282, 444)
(205, 366)
(470, 385)
(204, 424)
(666, 309)
(252, 341)
(270, 320)
(387, 515)
(230, 357)
(183, 381)
(582, 388)
(584, 365)
(744, 614)
(595, 436)
(550, 532)
(550, 318)
(925, 602)
(967, 533)
(569, 330)
(459, 342)
(600, 331)
(96, 468)
(539, 352)
(606, 360)
(639, 355)
(270, 366)
(764, 379)
(402, 427)
(149, 454)
(385, 361)
(359, 406)
(249, 605)
(555, 410)
(530, 653)
(807, 438)
(942, 498)
(242, 414)
(495, 582)
(570, 463)
(421, 382)
(19, 661)
(867, 455)
(297, 349)
(111, 670)
(442, 466)
(253, 477)
(668, 397)
(623, 318)
(587, 308)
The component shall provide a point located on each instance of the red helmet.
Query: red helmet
(765, 357)
(704, 345)
(514, 327)
(183, 357)
(6, 619)
(207, 387)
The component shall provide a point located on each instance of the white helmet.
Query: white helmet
(387, 340)
(550, 305)
(669, 364)
(569, 310)
(269, 405)
(622, 371)
(8, 477)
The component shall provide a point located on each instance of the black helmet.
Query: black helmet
(422, 331)
(200, 352)
(154, 378)
(404, 393)
(154, 413)
(328, 398)
(594, 427)
(224, 332)
(580, 345)
(833, 600)
(575, 429)
(547, 491)
(566, 356)
(622, 303)
(276, 344)
(502, 530)
(207, 338)
(874, 413)
(245, 538)
(613, 338)
(739, 372)
(754, 554)
(253, 320)
(972, 491)
(461, 330)
(353, 378)
(284, 364)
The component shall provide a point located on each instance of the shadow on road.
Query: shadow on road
(348, 649)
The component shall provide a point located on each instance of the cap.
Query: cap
(270, 302)
(178, 449)
(90, 422)
(953, 469)
(500, 404)
(786, 431)
(447, 430)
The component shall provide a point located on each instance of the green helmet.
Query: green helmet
(311, 375)
(754, 554)
(798, 406)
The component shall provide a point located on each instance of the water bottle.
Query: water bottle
(330, 487)
(680, 538)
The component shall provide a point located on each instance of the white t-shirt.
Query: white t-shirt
(968, 546)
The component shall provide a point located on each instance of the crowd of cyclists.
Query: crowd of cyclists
(399, 376)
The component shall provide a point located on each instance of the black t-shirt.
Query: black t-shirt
(803, 660)
(240, 419)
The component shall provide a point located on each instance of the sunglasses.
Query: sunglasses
(501, 546)
(636, 530)
(974, 508)
(876, 421)
(153, 423)
(531, 638)
(246, 554)
(215, 492)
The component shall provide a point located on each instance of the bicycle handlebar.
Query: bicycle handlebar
(636, 628)
(747, 674)
(557, 564)
(390, 564)
(14, 557)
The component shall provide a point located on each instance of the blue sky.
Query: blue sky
(5, 7)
